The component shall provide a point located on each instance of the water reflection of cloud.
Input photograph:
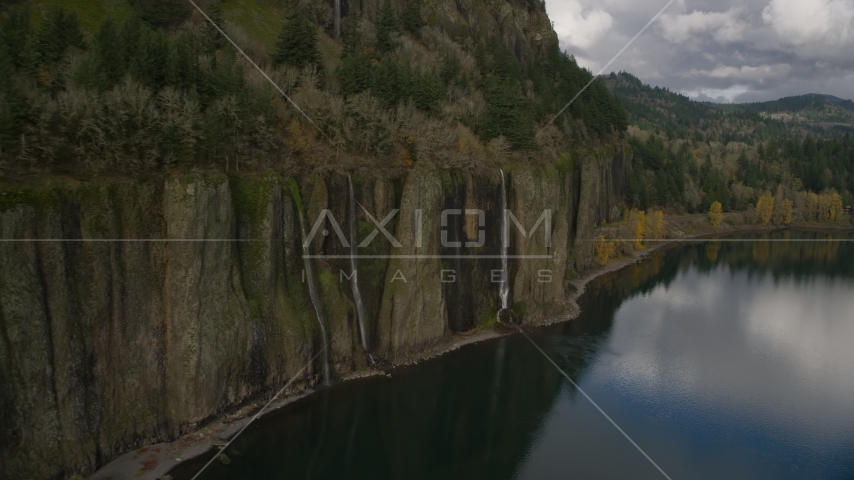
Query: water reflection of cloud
(745, 343)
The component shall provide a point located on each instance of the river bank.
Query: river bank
(154, 461)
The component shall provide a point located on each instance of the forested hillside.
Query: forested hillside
(141, 86)
(688, 155)
(823, 114)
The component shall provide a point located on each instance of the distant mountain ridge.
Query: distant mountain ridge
(798, 101)
(834, 98)
(656, 107)
(821, 110)
(688, 154)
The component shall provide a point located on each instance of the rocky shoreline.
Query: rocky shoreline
(155, 461)
(114, 346)
(171, 302)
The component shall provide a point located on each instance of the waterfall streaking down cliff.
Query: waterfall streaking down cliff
(315, 299)
(354, 279)
(504, 286)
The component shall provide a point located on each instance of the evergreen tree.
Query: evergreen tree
(506, 114)
(722, 195)
(450, 68)
(150, 65)
(6, 67)
(109, 54)
(810, 150)
(215, 39)
(386, 25)
(297, 45)
(226, 79)
(354, 72)
(15, 107)
(163, 13)
(661, 193)
(59, 31)
(14, 117)
(184, 71)
(390, 81)
(427, 92)
(16, 35)
(129, 39)
(637, 192)
(411, 17)
(351, 35)
(673, 193)
(711, 186)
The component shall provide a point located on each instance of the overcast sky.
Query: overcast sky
(721, 50)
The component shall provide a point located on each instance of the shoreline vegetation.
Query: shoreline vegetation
(153, 462)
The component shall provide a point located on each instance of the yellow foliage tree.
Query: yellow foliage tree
(812, 205)
(824, 211)
(468, 144)
(716, 215)
(604, 249)
(787, 211)
(404, 151)
(835, 206)
(297, 139)
(404, 158)
(765, 207)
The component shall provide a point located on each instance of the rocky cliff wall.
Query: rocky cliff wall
(188, 298)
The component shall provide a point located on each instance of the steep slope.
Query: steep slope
(475, 79)
(106, 346)
(821, 113)
(690, 154)
(136, 121)
(654, 107)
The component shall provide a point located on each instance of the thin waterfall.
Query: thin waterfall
(315, 300)
(504, 286)
(354, 279)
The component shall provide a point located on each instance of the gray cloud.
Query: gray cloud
(723, 50)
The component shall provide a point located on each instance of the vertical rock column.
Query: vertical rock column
(412, 314)
(29, 424)
(207, 339)
(538, 283)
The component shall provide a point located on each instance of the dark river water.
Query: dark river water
(721, 360)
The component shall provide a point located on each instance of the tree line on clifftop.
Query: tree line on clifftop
(160, 89)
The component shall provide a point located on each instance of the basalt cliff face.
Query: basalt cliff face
(188, 297)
